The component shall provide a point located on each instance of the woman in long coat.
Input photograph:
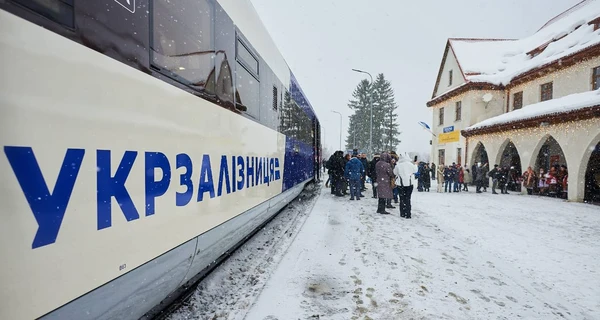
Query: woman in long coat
(384, 177)
(426, 178)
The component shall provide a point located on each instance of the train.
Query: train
(143, 141)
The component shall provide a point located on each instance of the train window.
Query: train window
(294, 122)
(247, 58)
(275, 98)
(60, 11)
(183, 41)
(248, 91)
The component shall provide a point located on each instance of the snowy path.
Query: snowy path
(462, 256)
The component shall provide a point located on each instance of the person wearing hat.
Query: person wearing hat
(494, 174)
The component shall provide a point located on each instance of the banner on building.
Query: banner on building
(449, 137)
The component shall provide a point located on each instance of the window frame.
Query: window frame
(458, 111)
(450, 74)
(239, 40)
(520, 95)
(441, 157)
(170, 74)
(459, 156)
(44, 12)
(596, 78)
(441, 117)
(551, 86)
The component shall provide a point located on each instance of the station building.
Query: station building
(527, 102)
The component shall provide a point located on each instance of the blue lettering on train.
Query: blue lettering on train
(48, 208)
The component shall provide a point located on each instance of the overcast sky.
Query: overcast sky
(322, 40)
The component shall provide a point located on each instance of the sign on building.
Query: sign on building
(448, 129)
(449, 137)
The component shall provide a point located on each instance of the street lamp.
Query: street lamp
(371, 103)
(340, 127)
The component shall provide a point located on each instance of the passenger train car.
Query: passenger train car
(142, 141)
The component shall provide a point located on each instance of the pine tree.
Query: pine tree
(386, 117)
(358, 129)
(385, 126)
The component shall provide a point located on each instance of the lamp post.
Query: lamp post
(371, 103)
(340, 127)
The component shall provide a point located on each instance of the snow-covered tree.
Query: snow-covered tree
(385, 102)
(358, 129)
(385, 126)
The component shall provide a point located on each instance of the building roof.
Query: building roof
(478, 56)
(542, 110)
(500, 61)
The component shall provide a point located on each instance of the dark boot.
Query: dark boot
(381, 205)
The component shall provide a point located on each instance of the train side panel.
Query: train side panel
(106, 168)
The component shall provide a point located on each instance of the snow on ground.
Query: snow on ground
(462, 256)
(229, 291)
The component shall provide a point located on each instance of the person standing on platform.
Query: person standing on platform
(353, 172)
(372, 173)
(433, 171)
(384, 183)
(440, 180)
(405, 172)
(363, 160)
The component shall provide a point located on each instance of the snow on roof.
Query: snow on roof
(565, 104)
(498, 62)
(477, 56)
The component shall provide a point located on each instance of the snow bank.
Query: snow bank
(568, 103)
(498, 62)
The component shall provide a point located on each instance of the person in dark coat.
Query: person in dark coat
(433, 171)
(448, 179)
(346, 158)
(474, 172)
(480, 176)
(421, 176)
(337, 172)
(427, 176)
(495, 175)
(363, 160)
(372, 173)
(384, 173)
(353, 172)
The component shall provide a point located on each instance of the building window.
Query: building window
(441, 157)
(518, 100)
(449, 78)
(183, 43)
(546, 91)
(441, 119)
(275, 98)
(459, 156)
(596, 78)
(458, 111)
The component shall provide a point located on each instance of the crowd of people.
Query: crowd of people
(391, 176)
(455, 178)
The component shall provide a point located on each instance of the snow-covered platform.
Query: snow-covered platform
(462, 256)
